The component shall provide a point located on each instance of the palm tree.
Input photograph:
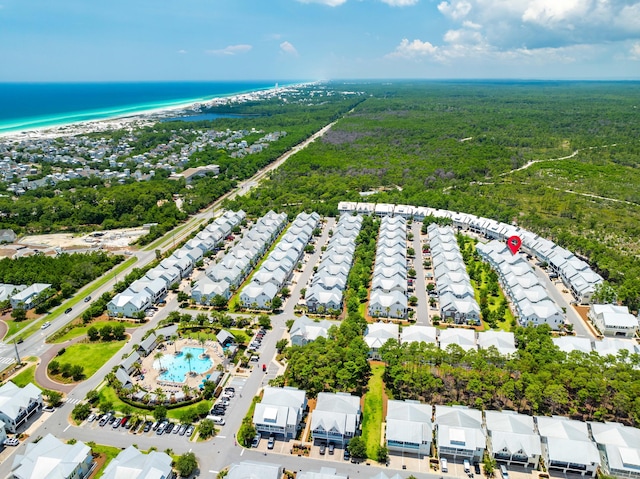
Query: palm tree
(186, 390)
(160, 395)
(174, 338)
(158, 356)
(189, 357)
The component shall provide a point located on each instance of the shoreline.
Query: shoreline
(135, 118)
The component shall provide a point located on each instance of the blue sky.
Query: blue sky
(136, 40)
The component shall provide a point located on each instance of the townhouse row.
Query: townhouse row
(456, 295)
(153, 287)
(278, 268)
(529, 298)
(575, 273)
(224, 277)
(388, 296)
(459, 432)
(326, 290)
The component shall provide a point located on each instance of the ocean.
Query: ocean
(25, 106)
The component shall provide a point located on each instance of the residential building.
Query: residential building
(304, 330)
(619, 448)
(512, 439)
(377, 334)
(280, 412)
(459, 433)
(132, 464)
(129, 303)
(148, 344)
(254, 470)
(409, 427)
(30, 296)
(417, 334)
(503, 341)
(323, 473)
(336, 418)
(49, 455)
(7, 236)
(17, 405)
(567, 446)
(613, 320)
(465, 338)
(568, 344)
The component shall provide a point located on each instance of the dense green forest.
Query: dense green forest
(86, 204)
(539, 379)
(459, 146)
(65, 273)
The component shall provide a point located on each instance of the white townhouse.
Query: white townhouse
(459, 433)
(417, 334)
(280, 412)
(133, 464)
(51, 456)
(512, 438)
(206, 289)
(619, 448)
(129, 302)
(388, 305)
(567, 446)
(17, 404)
(258, 296)
(613, 320)
(305, 330)
(465, 338)
(377, 334)
(503, 341)
(409, 427)
(28, 297)
(255, 470)
(336, 418)
(568, 344)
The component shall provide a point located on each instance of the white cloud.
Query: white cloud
(414, 49)
(400, 3)
(182, 52)
(231, 50)
(331, 3)
(635, 51)
(455, 9)
(288, 48)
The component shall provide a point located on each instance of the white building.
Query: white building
(254, 470)
(613, 320)
(503, 341)
(377, 334)
(459, 433)
(280, 411)
(336, 418)
(619, 447)
(511, 438)
(132, 464)
(51, 456)
(304, 330)
(17, 405)
(409, 427)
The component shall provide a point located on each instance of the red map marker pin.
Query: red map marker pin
(514, 243)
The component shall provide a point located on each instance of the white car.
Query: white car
(45, 325)
(12, 441)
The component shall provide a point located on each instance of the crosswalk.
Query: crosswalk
(7, 360)
(73, 401)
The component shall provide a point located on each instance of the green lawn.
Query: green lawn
(109, 451)
(81, 330)
(79, 296)
(17, 326)
(91, 356)
(372, 411)
(25, 377)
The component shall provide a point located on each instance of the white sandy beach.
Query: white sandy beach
(135, 120)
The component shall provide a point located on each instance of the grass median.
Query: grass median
(372, 411)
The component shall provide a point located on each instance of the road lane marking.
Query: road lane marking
(65, 429)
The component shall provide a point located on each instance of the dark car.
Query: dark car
(87, 299)
(169, 428)
(476, 468)
(68, 310)
(332, 448)
(346, 454)
(147, 426)
(323, 448)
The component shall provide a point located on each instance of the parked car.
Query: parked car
(48, 409)
(183, 429)
(115, 423)
(476, 468)
(147, 426)
(11, 441)
(332, 448)
(347, 455)
(219, 420)
(467, 466)
(91, 418)
(443, 465)
(271, 443)
(256, 440)
(189, 431)
(169, 428)
(176, 429)
(323, 448)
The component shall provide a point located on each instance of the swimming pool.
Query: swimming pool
(177, 366)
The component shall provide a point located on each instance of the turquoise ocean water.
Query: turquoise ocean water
(25, 106)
